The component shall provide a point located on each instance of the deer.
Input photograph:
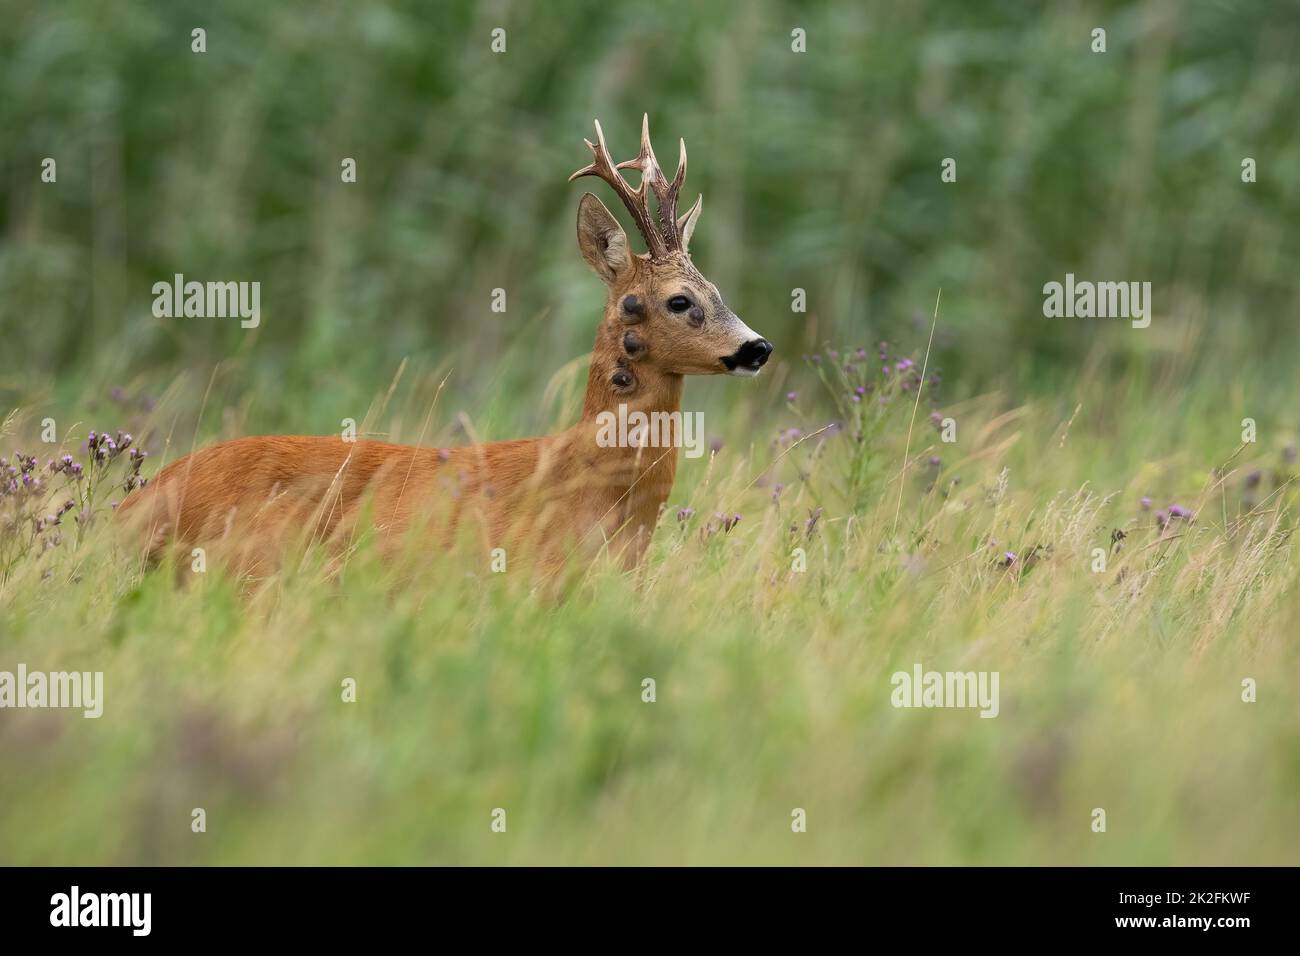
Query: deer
(549, 497)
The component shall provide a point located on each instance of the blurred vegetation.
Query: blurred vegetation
(1119, 690)
(820, 171)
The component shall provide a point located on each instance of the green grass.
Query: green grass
(1119, 690)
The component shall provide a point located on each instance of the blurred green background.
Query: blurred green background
(820, 171)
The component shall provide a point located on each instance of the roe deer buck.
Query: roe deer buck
(663, 320)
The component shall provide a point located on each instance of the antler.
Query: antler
(661, 237)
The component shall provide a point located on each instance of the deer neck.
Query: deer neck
(652, 390)
(640, 477)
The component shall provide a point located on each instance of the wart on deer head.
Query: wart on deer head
(541, 500)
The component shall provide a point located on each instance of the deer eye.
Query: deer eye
(679, 303)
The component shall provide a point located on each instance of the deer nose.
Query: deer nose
(754, 354)
(749, 358)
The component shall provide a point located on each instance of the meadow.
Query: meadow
(1105, 530)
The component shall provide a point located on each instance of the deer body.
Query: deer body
(549, 497)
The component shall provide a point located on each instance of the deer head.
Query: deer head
(664, 313)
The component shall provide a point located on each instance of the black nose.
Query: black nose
(753, 354)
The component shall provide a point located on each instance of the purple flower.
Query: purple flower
(792, 397)
(1146, 502)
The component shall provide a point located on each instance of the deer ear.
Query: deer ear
(602, 240)
(686, 223)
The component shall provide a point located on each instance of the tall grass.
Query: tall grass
(1121, 688)
(475, 691)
